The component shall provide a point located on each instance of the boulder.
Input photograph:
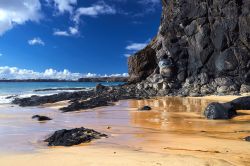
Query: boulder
(73, 137)
(219, 111)
(226, 110)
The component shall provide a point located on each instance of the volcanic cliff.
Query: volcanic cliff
(202, 47)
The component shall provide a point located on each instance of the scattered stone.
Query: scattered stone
(145, 108)
(73, 137)
(41, 118)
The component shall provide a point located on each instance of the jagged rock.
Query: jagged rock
(100, 88)
(73, 137)
(41, 118)
(245, 88)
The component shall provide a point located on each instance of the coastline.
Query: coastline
(172, 133)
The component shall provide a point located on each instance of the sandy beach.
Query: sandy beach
(173, 133)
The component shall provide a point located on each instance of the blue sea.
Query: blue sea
(26, 89)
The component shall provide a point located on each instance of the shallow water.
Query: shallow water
(174, 125)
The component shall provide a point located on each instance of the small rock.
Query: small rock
(247, 138)
(145, 108)
(41, 118)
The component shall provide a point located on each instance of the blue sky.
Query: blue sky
(82, 36)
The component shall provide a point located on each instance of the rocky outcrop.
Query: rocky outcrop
(202, 47)
(73, 137)
(226, 110)
(142, 64)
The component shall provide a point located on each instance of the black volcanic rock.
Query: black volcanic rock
(41, 118)
(247, 138)
(226, 110)
(145, 108)
(73, 137)
(202, 38)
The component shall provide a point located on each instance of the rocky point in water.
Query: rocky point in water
(73, 137)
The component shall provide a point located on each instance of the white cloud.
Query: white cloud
(63, 5)
(100, 8)
(72, 31)
(16, 73)
(17, 12)
(136, 46)
(36, 41)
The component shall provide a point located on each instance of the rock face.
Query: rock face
(208, 43)
(73, 137)
(226, 110)
(142, 64)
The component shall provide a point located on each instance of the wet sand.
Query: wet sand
(173, 133)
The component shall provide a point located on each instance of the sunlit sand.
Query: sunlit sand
(173, 133)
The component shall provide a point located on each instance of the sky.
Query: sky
(69, 39)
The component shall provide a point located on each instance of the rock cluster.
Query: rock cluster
(202, 47)
(73, 137)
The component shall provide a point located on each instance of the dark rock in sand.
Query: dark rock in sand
(219, 111)
(145, 108)
(247, 138)
(73, 137)
(41, 118)
(227, 110)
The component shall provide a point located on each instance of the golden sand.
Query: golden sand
(173, 133)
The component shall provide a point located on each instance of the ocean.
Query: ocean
(26, 89)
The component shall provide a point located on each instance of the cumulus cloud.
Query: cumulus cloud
(8, 73)
(16, 12)
(36, 41)
(101, 8)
